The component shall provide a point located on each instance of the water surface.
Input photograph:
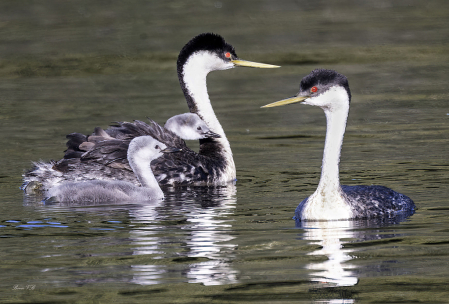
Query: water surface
(74, 67)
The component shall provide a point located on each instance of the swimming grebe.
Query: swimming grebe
(113, 152)
(329, 90)
(142, 150)
(213, 164)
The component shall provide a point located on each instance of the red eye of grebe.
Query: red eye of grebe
(228, 55)
(314, 89)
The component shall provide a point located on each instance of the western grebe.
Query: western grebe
(329, 90)
(112, 151)
(142, 150)
(213, 164)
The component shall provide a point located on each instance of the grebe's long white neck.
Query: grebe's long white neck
(201, 55)
(140, 162)
(328, 199)
(194, 75)
(331, 93)
(329, 90)
(336, 118)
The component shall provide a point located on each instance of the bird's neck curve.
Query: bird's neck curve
(336, 124)
(141, 167)
(328, 202)
(192, 77)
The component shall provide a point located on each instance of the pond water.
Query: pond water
(85, 64)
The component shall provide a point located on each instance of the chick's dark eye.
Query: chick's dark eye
(157, 147)
(199, 128)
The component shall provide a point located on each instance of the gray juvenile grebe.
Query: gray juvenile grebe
(329, 90)
(115, 151)
(189, 126)
(213, 164)
(142, 150)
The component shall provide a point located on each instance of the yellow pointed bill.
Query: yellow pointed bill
(251, 64)
(287, 101)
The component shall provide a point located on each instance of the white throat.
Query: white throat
(141, 166)
(328, 202)
(194, 75)
(195, 71)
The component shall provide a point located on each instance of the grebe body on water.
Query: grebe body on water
(212, 165)
(329, 90)
(139, 153)
(142, 150)
(114, 151)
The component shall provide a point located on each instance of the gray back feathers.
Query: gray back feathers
(142, 150)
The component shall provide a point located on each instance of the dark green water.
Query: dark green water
(73, 65)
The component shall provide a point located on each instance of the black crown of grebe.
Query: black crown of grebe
(142, 150)
(329, 90)
(213, 164)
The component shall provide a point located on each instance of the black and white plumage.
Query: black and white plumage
(187, 126)
(102, 152)
(142, 150)
(213, 165)
(329, 90)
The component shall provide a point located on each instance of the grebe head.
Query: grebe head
(213, 53)
(326, 89)
(189, 126)
(146, 148)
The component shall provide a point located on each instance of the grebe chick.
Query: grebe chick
(189, 126)
(329, 90)
(115, 152)
(142, 150)
(212, 165)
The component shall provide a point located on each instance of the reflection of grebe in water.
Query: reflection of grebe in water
(210, 238)
(329, 234)
(339, 242)
(199, 225)
(329, 90)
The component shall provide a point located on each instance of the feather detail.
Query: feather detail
(184, 167)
